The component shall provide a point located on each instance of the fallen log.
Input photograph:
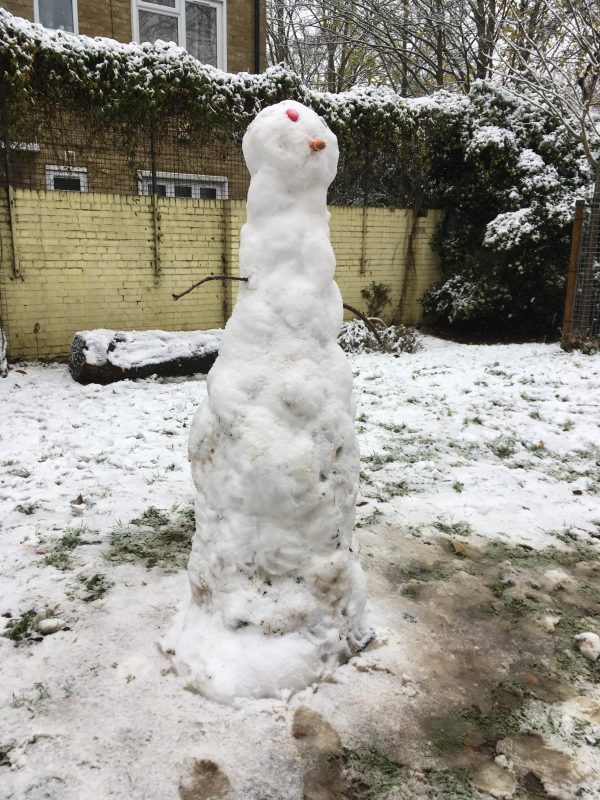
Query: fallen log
(104, 356)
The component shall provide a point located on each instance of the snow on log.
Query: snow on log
(103, 356)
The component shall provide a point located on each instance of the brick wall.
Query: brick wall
(112, 18)
(22, 8)
(87, 260)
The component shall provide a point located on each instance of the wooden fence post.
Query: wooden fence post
(572, 273)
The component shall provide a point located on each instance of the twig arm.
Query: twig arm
(354, 311)
(366, 320)
(204, 280)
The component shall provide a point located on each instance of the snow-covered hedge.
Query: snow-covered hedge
(506, 174)
(508, 177)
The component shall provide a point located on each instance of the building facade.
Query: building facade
(229, 34)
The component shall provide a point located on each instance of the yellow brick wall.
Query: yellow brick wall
(88, 261)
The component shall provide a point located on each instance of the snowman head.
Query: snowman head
(291, 141)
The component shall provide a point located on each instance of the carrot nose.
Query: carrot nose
(317, 144)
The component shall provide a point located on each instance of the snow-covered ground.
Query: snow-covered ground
(479, 530)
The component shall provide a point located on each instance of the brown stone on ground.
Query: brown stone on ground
(321, 746)
(494, 780)
(554, 769)
(314, 731)
(203, 780)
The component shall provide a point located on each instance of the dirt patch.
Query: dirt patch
(203, 780)
(497, 626)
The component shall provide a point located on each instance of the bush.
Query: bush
(509, 180)
(355, 337)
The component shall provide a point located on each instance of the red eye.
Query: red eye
(293, 115)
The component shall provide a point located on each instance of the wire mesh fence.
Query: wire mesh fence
(175, 157)
(582, 312)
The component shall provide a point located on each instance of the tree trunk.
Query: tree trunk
(108, 356)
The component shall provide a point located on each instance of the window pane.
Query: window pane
(183, 191)
(168, 3)
(157, 26)
(67, 184)
(57, 14)
(201, 32)
(161, 189)
(207, 193)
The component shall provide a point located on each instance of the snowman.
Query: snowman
(277, 595)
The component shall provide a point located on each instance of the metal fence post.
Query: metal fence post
(572, 272)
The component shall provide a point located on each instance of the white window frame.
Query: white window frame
(179, 12)
(63, 171)
(36, 16)
(218, 182)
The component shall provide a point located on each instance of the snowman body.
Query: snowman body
(277, 593)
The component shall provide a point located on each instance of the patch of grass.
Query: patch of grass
(417, 571)
(95, 586)
(4, 753)
(538, 449)
(458, 486)
(504, 446)
(453, 528)
(393, 428)
(527, 557)
(378, 460)
(476, 420)
(567, 535)
(371, 519)
(371, 773)
(156, 538)
(30, 700)
(517, 605)
(399, 489)
(21, 627)
(26, 508)
(60, 560)
(60, 557)
(568, 425)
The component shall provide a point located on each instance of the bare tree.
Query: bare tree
(414, 46)
(561, 74)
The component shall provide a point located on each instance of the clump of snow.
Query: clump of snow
(355, 337)
(3, 360)
(277, 594)
(589, 645)
(510, 228)
(132, 349)
(487, 135)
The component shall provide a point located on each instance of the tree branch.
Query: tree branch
(366, 320)
(205, 280)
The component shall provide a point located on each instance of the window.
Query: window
(197, 25)
(179, 184)
(67, 179)
(61, 15)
